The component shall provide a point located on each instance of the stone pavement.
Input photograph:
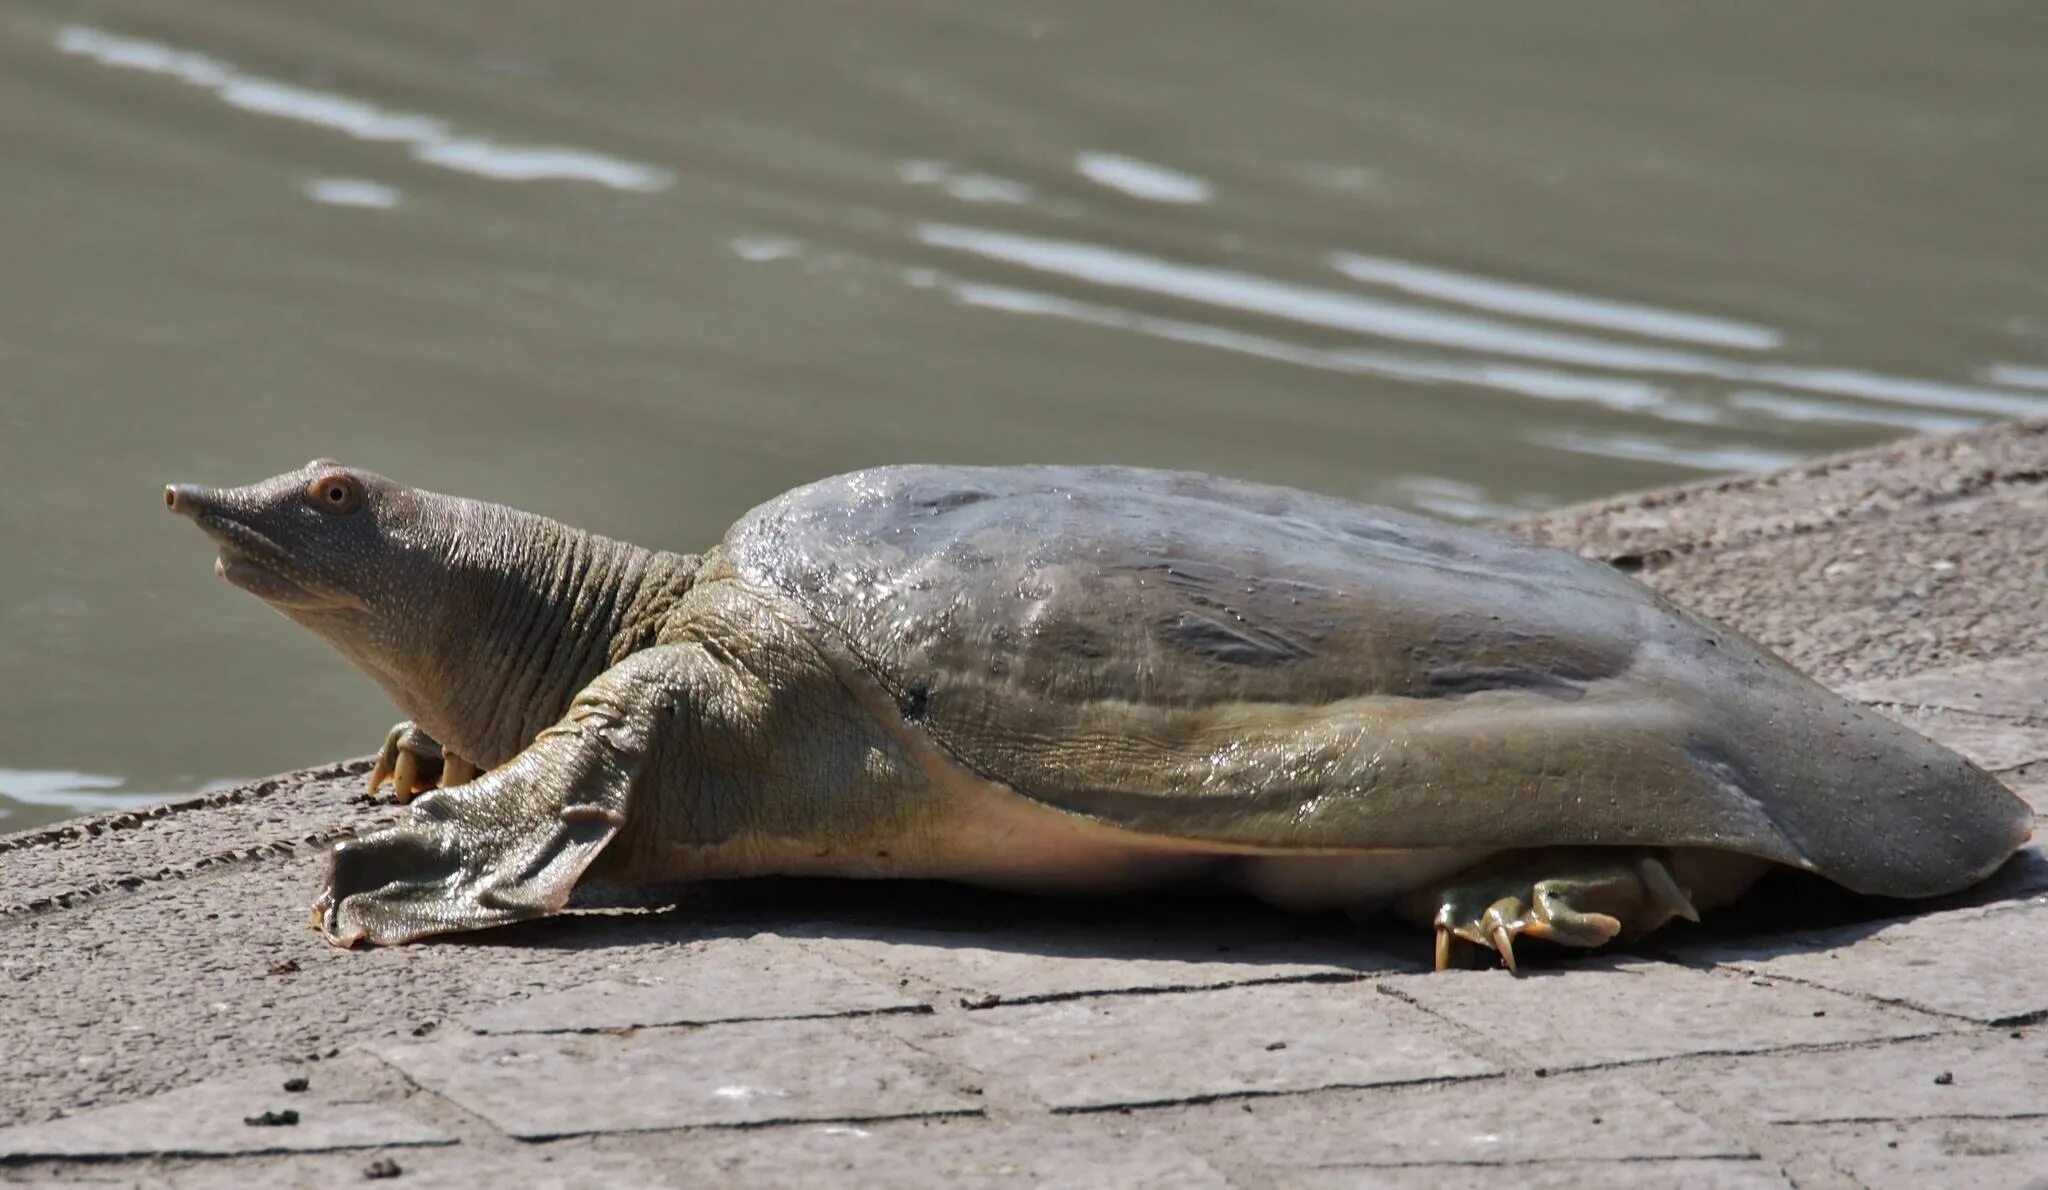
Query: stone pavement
(170, 1019)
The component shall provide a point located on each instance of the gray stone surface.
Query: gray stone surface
(1994, 743)
(1991, 1075)
(1687, 1174)
(68, 863)
(1836, 564)
(1607, 1011)
(2031, 783)
(1917, 1154)
(159, 978)
(942, 1154)
(536, 1086)
(761, 977)
(212, 1118)
(1120, 1050)
(1986, 965)
(563, 1165)
(1042, 965)
(2014, 687)
(1523, 1121)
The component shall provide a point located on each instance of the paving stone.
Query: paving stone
(1606, 1117)
(936, 1155)
(1121, 1050)
(1916, 1154)
(209, 1118)
(543, 1085)
(2012, 686)
(1994, 744)
(1992, 1075)
(1688, 1174)
(1987, 965)
(723, 979)
(1605, 1011)
(561, 1165)
(2031, 783)
(1024, 965)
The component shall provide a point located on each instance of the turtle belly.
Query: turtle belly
(998, 839)
(1346, 881)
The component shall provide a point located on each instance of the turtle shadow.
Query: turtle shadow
(1786, 913)
(1790, 913)
(1182, 926)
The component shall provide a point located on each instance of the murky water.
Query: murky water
(642, 265)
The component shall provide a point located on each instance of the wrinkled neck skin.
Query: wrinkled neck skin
(489, 620)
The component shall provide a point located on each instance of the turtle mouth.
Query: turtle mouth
(249, 558)
(255, 563)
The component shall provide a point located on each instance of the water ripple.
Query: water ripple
(432, 140)
(1142, 179)
(1552, 305)
(1333, 309)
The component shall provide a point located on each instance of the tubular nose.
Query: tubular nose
(183, 498)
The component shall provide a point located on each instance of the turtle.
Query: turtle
(1086, 680)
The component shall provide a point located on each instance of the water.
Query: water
(644, 265)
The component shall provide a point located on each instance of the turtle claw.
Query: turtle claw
(1569, 897)
(1504, 943)
(406, 782)
(456, 770)
(414, 762)
(410, 759)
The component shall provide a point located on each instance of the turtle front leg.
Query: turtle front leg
(415, 762)
(1573, 896)
(512, 843)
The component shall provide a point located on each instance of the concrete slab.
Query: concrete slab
(2031, 783)
(1985, 965)
(67, 864)
(251, 1112)
(938, 1154)
(1685, 1174)
(1608, 1012)
(761, 977)
(1921, 1153)
(2015, 687)
(1021, 967)
(1989, 1075)
(535, 1086)
(561, 1165)
(1993, 743)
(1126, 1050)
(1524, 1122)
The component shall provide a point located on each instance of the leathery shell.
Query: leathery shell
(1268, 669)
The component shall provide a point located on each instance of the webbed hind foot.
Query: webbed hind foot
(1573, 897)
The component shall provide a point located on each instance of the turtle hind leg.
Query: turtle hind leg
(1582, 897)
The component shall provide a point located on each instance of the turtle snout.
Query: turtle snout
(189, 500)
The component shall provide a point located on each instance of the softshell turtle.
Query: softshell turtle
(1082, 679)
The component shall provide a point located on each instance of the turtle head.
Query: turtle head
(323, 541)
(387, 574)
(479, 620)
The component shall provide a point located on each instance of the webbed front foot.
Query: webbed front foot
(503, 848)
(511, 844)
(1571, 896)
(415, 762)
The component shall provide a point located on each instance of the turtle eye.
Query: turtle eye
(338, 494)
